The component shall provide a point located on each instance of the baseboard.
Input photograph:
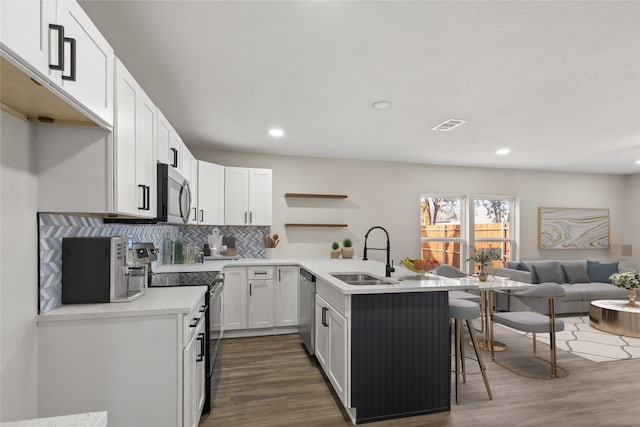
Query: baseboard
(240, 333)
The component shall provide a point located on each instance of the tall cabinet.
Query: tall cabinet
(135, 165)
(247, 196)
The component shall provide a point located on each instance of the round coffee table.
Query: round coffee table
(614, 316)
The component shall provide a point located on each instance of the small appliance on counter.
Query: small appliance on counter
(104, 269)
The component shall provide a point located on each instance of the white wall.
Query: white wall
(632, 236)
(387, 194)
(18, 271)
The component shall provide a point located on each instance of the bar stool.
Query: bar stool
(459, 310)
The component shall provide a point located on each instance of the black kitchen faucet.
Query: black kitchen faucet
(388, 268)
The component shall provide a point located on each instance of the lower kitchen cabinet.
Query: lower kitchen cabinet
(145, 370)
(260, 300)
(331, 345)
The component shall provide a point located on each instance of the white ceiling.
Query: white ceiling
(557, 82)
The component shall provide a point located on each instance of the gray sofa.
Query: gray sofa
(583, 282)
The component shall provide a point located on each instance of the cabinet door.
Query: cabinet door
(189, 383)
(190, 172)
(286, 312)
(235, 196)
(337, 371)
(129, 198)
(260, 190)
(200, 371)
(163, 138)
(145, 153)
(322, 332)
(234, 298)
(24, 30)
(90, 73)
(210, 193)
(260, 303)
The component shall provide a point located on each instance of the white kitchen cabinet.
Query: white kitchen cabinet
(141, 368)
(234, 298)
(33, 35)
(88, 74)
(135, 166)
(24, 27)
(193, 378)
(286, 296)
(247, 196)
(210, 193)
(331, 345)
(260, 305)
(163, 138)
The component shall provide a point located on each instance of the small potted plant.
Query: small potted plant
(630, 281)
(347, 250)
(335, 253)
(484, 257)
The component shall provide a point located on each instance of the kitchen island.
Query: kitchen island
(383, 348)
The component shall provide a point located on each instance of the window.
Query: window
(449, 235)
(442, 229)
(493, 225)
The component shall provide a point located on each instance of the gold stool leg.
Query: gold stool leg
(483, 368)
(460, 332)
(457, 354)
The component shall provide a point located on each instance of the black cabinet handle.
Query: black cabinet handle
(245, 217)
(195, 214)
(60, 30)
(148, 198)
(200, 357)
(201, 215)
(250, 217)
(175, 157)
(324, 316)
(194, 322)
(250, 286)
(279, 278)
(144, 193)
(72, 66)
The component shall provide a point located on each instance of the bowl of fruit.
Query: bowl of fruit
(420, 266)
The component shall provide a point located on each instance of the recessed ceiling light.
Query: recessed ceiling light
(637, 162)
(448, 124)
(382, 105)
(503, 151)
(276, 132)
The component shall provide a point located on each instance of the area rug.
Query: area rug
(580, 339)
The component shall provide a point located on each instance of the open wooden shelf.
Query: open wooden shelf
(316, 225)
(316, 196)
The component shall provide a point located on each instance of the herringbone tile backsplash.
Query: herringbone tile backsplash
(53, 227)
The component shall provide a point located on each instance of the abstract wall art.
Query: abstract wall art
(573, 228)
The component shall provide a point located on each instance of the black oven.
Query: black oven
(213, 317)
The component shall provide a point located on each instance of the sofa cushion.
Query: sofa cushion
(576, 273)
(522, 266)
(530, 264)
(548, 273)
(594, 291)
(512, 264)
(601, 272)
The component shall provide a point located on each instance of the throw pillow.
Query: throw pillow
(548, 273)
(601, 272)
(522, 266)
(576, 273)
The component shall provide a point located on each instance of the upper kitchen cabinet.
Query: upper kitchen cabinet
(247, 196)
(56, 43)
(164, 132)
(135, 165)
(210, 193)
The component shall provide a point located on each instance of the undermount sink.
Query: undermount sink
(361, 279)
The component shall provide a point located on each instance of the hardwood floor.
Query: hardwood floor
(270, 381)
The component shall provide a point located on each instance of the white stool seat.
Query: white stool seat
(464, 309)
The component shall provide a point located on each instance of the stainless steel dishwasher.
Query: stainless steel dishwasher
(306, 313)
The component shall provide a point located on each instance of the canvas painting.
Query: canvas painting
(573, 228)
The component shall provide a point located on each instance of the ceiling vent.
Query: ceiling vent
(449, 124)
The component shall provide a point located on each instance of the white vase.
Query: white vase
(269, 253)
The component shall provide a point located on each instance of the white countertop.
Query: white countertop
(404, 279)
(91, 419)
(155, 301)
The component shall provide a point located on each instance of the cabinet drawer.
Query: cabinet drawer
(260, 273)
(192, 321)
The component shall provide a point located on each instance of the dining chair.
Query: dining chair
(541, 319)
